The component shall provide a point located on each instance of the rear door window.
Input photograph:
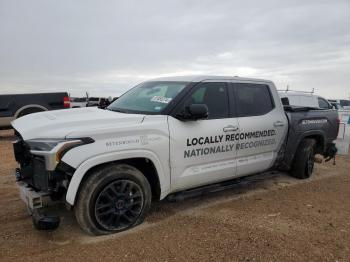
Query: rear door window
(252, 99)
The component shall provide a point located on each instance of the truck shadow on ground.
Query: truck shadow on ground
(239, 187)
(163, 210)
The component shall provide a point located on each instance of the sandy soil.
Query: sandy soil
(270, 217)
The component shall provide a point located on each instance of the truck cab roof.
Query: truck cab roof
(202, 78)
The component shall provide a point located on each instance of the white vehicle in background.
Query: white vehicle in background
(344, 104)
(78, 102)
(307, 99)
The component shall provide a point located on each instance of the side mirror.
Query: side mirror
(196, 112)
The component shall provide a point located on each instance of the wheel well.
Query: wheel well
(29, 110)
(145, 165)
(319, 143)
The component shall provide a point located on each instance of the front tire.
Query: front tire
(304, 159)
(113, 199)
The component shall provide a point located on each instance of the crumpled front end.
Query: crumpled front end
(41, 177)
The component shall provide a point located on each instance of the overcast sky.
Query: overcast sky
(105, 47)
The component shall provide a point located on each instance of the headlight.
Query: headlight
(43, 144)
(53, 149)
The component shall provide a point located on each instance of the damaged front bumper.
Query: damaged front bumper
(32, 198)
(37, 204)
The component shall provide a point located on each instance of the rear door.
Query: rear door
(201, 152)
(262, 125)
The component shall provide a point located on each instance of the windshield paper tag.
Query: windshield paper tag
(161, 99)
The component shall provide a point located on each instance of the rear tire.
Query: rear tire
(113, 199)
(304, 159)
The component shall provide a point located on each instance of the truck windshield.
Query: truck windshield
(148, 97)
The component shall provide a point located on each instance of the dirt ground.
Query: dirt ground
(269, 217)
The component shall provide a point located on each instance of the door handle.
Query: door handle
(230, 128)
(278, 123)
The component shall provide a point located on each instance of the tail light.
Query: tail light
(66, 102)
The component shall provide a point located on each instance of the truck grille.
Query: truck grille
(32, 168)
(22, 153)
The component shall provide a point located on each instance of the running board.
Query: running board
(199, 191)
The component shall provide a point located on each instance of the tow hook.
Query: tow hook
(331, 153)
(43, 222)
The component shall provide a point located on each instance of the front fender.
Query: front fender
(80, 172)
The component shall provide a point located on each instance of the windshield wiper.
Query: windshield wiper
(116, 110)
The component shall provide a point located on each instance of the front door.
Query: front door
(201, 152)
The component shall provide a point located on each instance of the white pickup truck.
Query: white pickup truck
(162, 137)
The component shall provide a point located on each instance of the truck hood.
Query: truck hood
(60, 123)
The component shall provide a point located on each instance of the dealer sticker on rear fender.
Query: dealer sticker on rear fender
(313, 121)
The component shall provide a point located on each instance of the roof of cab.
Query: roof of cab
(201, 78)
